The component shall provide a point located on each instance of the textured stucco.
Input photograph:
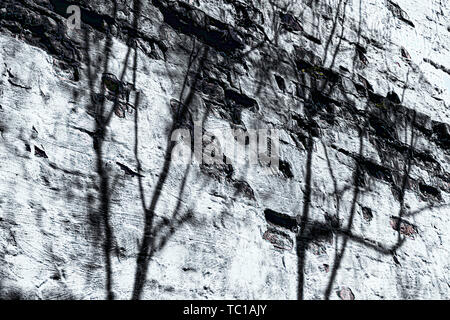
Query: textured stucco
(90, 200)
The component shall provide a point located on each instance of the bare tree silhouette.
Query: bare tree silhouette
(103, 115)
(148, 245)
(316, 80)
(316, 98)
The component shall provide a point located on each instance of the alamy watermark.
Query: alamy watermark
(223, 146)
(74, 20)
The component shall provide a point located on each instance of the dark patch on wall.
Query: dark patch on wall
(307, 125)
(218, 171)
(375, 98)
(393, 97)
(235, 102)
(305, 58)
(399, 13)
(361, 54)
(280, 82)
(244, 188)
(182, 117)
(280, 219)
(248, 16)
(367, 214)
(430, 191)
(285, 169)
(442, 133)
(312, 38)
(404, 227)
(437, 65)
(128, 171)
(333, 221)
(38, 152)
(91, 18)
(375, 170)
(280, 240)
(221, 36)
(289, 22)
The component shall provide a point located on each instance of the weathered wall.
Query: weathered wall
(92, 205)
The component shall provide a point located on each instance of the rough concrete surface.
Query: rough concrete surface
(94, 206)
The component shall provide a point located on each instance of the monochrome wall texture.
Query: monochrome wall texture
(121, 125)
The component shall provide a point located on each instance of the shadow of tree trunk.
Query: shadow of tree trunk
(102, 119)
(339, 255)
(301, 235)
(148, 245)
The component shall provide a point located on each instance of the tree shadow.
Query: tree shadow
(181, 117)
(157, 233)
(317, 97)
(116, 90)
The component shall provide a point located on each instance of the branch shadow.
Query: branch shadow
(112, 89)
(149, 246)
